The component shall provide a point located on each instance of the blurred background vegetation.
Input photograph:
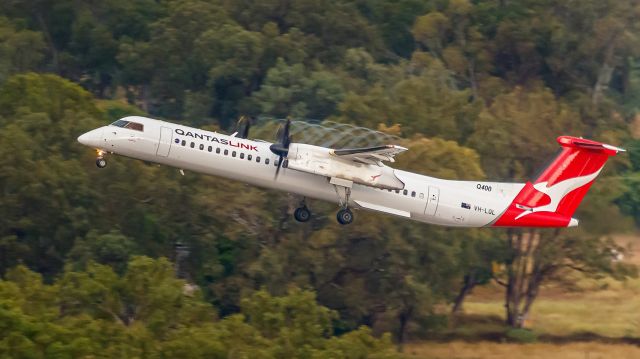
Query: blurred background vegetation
(138, 261)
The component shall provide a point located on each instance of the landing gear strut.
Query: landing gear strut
(100, 161)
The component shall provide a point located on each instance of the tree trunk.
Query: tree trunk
(511, 305)
(467, 287)
(403, 317)
(49, 39)
(527, 269)
(472, 79)
(605, 73)
(512, 299)
(532, 293)
(146, 98)
(518, 280)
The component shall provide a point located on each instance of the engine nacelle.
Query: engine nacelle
(319, 160)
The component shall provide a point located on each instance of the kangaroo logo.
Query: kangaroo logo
(558, 191)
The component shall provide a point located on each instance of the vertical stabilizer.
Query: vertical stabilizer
(554, 196)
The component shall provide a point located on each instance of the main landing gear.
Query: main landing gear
(100, 161)
(345, 216)
(343, 190)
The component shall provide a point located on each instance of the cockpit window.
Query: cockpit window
(130, 125)
(120, 123)
(135, 126)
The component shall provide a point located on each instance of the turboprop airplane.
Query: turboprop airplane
(358, 178)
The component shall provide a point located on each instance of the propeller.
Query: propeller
(281, 148)
(243, 126)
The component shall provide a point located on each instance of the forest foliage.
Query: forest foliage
(477, 89)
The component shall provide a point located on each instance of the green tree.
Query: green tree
(292, 90)
(427, 103)
(516, 133)
(394, 20)
(45, 209)
(112, 249)
(329, 28)
(21, 50)
(147, 311)
(534, 257)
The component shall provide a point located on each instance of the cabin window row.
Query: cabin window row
(266, 161)
(406, 193)
(225, 152)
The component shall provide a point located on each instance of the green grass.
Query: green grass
(613, 312)
(463, 350)
(602, 310)
(582, 318)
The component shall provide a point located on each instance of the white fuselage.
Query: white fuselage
(425, 199)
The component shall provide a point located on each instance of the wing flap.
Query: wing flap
(369, 155)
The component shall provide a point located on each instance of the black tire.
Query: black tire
(345, 216)
(302, 214)
(101, 163)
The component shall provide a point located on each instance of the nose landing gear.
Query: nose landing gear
(100, 161)
(302, 214)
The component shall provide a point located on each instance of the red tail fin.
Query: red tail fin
(554, 196)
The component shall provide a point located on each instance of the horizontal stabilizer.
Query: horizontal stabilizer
(569, 141)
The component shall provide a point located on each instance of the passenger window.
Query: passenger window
(241, 156)
(193, 144)
(226, 152)
(421, 196)
(413, 193)
(210, 149)
(397, 191)
(233, 154)
(266, 161)
(405, 192)
(201, 147)
(184, 143)
(218, 150)
(249, 157)
(258, 159)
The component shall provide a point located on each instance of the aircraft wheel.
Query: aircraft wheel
(101, 162)
(345, 216)
(302, 214)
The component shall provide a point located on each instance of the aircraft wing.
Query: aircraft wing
(369, 155)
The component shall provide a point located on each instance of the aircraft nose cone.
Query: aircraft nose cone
(84, 138)
(91, 138)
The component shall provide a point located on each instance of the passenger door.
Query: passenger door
(433, 197)
(164, 144)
